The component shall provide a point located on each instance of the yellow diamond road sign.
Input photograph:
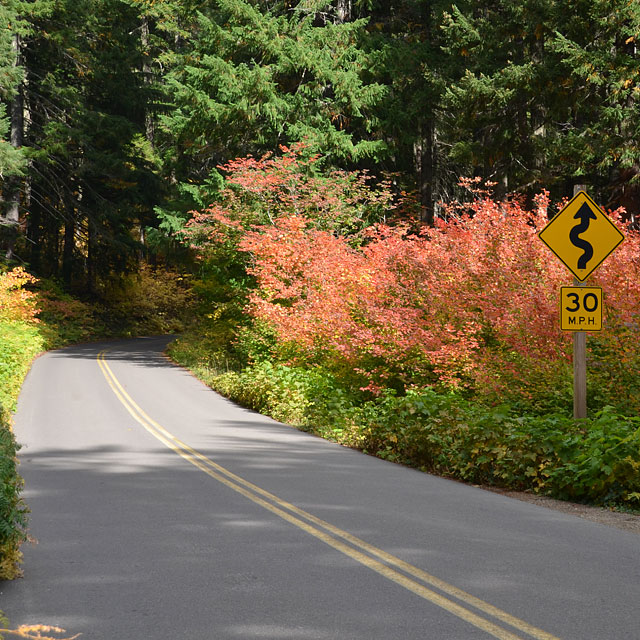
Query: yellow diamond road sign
(582, 236)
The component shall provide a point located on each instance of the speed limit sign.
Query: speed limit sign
(581, 308)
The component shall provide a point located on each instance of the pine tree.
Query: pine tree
(254, 76)
(546, 93)
(11, 126)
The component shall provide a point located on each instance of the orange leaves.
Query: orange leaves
(17, 304)
(355, 304)
(36, 631)
(475, 294)
(472, 301)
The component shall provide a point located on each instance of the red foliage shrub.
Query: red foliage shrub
(471, 302)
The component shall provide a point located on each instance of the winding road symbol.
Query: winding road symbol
(581, 235)
(585, 215)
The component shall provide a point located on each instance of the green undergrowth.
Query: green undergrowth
(19, 344)
(594, 461)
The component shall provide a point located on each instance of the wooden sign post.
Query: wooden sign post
(579, 369)
(582, 236)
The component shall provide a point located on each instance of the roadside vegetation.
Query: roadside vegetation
(20, 343)
(436, 347)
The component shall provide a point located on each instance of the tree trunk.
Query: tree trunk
(343, 11)
(147, 75)
(34, 234)
(425, 168)
(50, 241)
(91, 250)
(13, 184)
(425, 156)
(68, 247)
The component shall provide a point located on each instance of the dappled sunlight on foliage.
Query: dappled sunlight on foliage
(17, 303)
(149, 301)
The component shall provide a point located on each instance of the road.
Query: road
(163, 511)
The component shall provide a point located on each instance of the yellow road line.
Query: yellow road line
(280, 508)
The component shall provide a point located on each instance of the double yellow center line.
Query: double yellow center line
(454, 600)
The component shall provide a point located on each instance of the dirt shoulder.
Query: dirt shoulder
(626, 521)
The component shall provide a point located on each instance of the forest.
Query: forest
(117, 114)
(335, 205)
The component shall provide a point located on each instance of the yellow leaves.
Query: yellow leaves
(121, 185)
(217, 314)
(16, 303)
(35, 631)
(11, 555)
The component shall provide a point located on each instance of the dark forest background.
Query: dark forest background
(115, 115)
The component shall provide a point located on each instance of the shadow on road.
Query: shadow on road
(142, 545)
(143, 351)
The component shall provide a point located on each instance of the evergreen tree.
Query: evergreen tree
(125, 109)
(93, 185)
(405, 44)
(547, 95)
(11, 160)
(598, 99)
(253, 76)
(14, 28)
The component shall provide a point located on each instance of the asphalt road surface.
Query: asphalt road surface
(163, 511)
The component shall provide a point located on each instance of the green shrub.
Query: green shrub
(287, 394)
(13, 512)
(20, 342)
(614, 368)
(596, 460)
